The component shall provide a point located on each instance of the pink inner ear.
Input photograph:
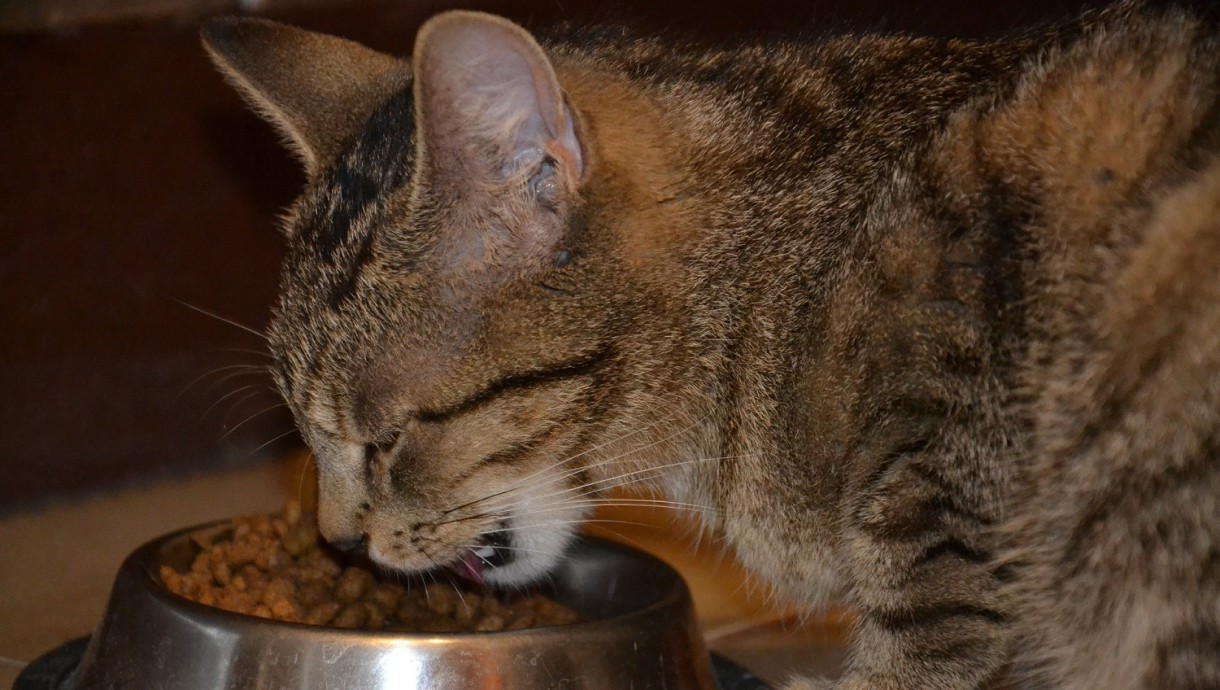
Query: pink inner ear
(483, 81)
(567, 146)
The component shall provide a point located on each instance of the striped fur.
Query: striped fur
(931, 327)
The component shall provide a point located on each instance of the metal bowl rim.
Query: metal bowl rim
(143, 561)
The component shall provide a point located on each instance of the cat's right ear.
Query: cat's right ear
(317, 90)
(488, 102)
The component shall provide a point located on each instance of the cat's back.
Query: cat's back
(797, 108)
(1107, 160)
(1103, 163)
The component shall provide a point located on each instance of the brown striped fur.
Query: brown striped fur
(930, 327)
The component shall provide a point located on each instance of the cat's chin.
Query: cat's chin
(515, 574)
(534, 554)
(523, 558)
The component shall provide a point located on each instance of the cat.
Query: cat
(931, 327)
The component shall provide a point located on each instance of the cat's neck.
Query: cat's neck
(739, 217)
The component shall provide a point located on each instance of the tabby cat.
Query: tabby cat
(927, 326)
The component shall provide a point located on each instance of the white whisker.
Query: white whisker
(263, 411)
(615, 481)
(625, 503)
(522, 482)
(578, 522)
(220, 318)
(226, 396)
(239, 403)
(309, 458)
(507, 548)
(241, 370)
(253, 371)
(247, 350)
(565, 507)
(273, 440)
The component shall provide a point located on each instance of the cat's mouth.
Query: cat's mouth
(493, 551)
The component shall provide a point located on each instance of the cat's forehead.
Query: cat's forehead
(340, 215)
(337, 230)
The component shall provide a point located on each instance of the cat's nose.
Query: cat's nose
(355, 546)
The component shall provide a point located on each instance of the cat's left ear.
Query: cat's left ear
(488, 105)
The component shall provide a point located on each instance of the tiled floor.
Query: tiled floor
(59, 563)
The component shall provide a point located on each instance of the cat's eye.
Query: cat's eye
(563, 258)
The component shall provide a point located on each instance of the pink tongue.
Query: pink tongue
(470, 568)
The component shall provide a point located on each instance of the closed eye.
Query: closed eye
(582, 366)
(555, 289)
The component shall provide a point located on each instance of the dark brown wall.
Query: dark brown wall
(133, 181)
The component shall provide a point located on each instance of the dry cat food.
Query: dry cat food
(273, 566)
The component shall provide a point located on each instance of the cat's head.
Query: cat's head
(446, 329)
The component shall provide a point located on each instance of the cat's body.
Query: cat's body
(929, 327)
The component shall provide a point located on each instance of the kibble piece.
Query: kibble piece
(279, 589)
(376, 616)
(299, 540)
(261, 525)
(351, 616)
(441, 600)
(466, 609)
(221, 573)
(490, 606)
(241, 552)
(270, 558)
(292, 513)
(285, 610)
(312, 592)
(201, 564)
(524, 619)
(317, 561)
(353, 583)
(203, 539)
(490, 623)
(385, 596)
(323, 613)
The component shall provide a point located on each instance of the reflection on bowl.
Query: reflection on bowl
(637, 631)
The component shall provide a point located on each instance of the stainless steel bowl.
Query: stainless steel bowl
(637, 632)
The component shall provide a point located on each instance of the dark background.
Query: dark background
(133, 183)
